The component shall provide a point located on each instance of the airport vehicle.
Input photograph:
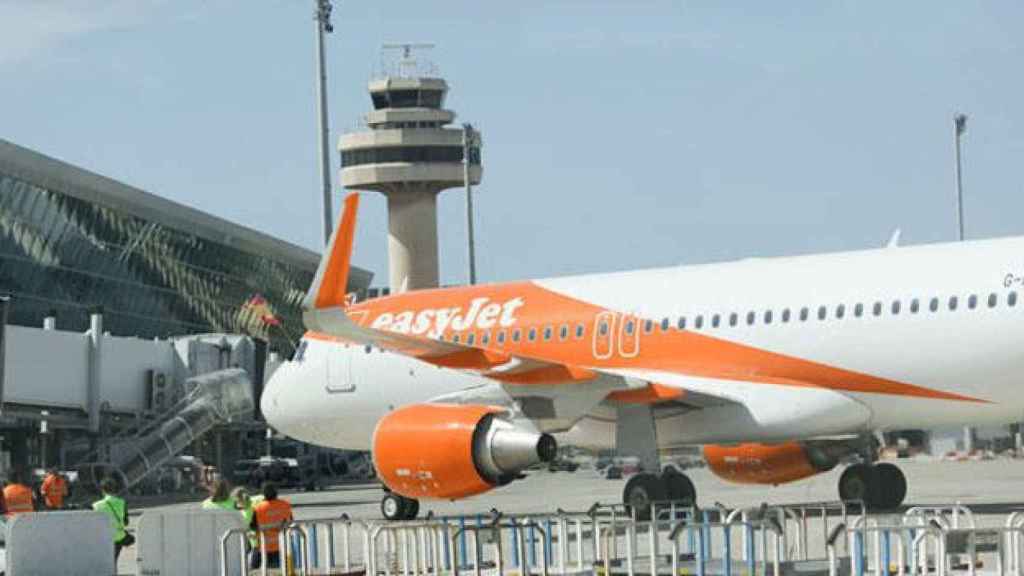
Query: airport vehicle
(781, 368)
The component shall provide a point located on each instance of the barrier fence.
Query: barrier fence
(833, 538)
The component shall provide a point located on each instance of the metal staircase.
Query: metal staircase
(215, 398)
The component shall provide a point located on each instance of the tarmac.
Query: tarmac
(992, 489)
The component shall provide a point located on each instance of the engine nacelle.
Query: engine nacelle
(771, 463)
(450, 451)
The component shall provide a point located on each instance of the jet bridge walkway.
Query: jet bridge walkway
(215, 398)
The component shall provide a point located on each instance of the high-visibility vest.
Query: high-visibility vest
(54, 489)
(271, 515)
(211, 504)
(114, 508)
(19, 499)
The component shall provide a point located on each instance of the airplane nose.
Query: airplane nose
(271, 397)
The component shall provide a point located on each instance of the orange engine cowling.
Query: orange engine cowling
(450, 451)
(768, 463)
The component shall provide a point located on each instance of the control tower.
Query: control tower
(409, 153)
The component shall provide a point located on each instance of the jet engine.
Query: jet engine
(450, 451)
(773, 463)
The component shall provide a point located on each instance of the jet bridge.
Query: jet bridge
(214, 398)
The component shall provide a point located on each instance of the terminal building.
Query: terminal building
(117, 294)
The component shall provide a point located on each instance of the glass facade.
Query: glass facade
(424, 98)
(407, 154)
(61, 253)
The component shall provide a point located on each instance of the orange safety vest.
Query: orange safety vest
(54, 488)
(19, 499)
(271, 515)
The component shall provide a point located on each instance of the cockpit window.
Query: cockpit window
(300, 352)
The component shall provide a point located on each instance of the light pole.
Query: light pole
(959, 127)
(467, 146)
(323, 25)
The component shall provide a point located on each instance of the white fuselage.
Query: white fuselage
(897, 324)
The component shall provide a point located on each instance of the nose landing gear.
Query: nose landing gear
(396, 507)
(880, 486)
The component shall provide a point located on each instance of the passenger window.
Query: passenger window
(767, 316)
(547, 333)
(648, 326)
(840, 311)
(532, 335)
(699, 322)
(681, 324)
(972, 302)
(858, 310)
(785, 314)
(895, 307)
(471, 339)
(603, 329)
(664, 324)
(715, 321)
(564, 332)
(915, 305)
(877, 309)
(485, 338)
(822, 313)
(750, 318)
(934, 305)
(1011, 299)
(630, 326)
(455, 338)
(580, 329)
(954, 301)
(804, 313)
(501, 337)
(992, 300)
(733, 319)
(515, 335)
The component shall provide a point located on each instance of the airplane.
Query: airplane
(779, 368)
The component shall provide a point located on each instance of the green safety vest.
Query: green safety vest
(211, 504)
(114, 508)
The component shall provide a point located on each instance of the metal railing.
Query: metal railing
(775, 540)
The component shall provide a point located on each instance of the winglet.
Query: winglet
(329, 284)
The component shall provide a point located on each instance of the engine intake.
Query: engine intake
(453, 451)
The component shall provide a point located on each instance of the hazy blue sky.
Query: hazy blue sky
(617, 134)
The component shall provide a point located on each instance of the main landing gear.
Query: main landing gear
(880, 486)
(644, 489)
(397, 507)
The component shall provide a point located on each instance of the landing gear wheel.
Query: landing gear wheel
(640, 492)
(394, 507)
(859, 482)
(678, 487)
(892, 485)
(412, 508)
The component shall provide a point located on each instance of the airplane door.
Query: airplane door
(339, 368)
(629, 336)
(604, 335)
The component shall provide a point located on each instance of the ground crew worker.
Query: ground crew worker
(19, 498)
(269, 516)
(54, 489)
(244, 504)
(115, 509)
(220, 496)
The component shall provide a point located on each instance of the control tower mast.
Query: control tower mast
(409, 154)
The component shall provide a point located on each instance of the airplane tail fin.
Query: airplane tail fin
(329, 285)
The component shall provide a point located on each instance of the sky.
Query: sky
(617, 135)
